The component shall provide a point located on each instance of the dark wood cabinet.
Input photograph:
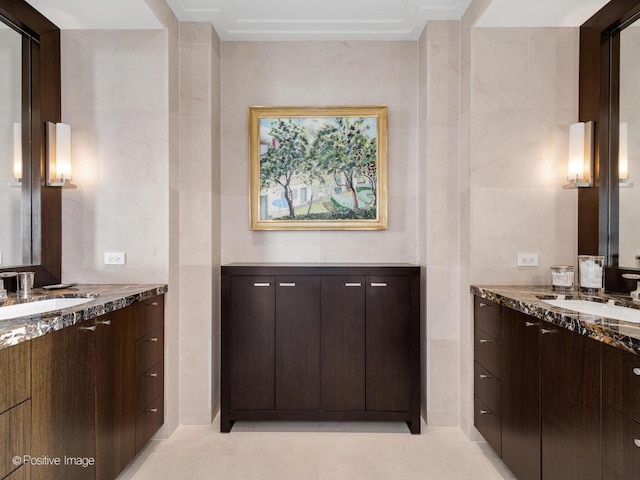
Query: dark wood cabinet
(320, 343)
(521, 394)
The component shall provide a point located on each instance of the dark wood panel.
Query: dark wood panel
(343, 343)
(250, 331)
(115, 392)
(621, 454)
(297, 343)
(63, 401)
(486, 315)
(149, 350)
(149, 315)
(488, 424)
(15, 363)
(388, 343)
(15, 435)
(521, 394)
(570, 404)
(487, 388)
(319, 269)
(621, 381)
(487, 352)
(149, 386)
(148, 422)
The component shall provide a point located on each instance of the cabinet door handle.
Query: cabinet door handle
(284, 284)
(484, 340)
(267, 284)
(378, 284)
(485, 412)
(483, 305)
(105, 322)
(92, 328)
(154, 339)
(636, 371)
(544, 331)
(483, 376)
(152, 410)
(152, 375)
(636, 441)
(530, 324)
(153, 304)
(352, 284)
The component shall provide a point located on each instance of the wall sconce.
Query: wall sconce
(580, 171)
(59, 155)
(623, 156)
(17, 155)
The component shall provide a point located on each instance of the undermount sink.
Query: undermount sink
(608, 310)
(40, 306)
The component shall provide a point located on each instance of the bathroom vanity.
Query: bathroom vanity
(556, 392)
(84, 385)
(320, 342)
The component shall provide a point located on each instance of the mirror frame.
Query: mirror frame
(42, 229)
(598, 206)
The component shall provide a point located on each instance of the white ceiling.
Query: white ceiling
(315, 20)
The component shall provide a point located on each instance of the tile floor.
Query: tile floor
(320, 451)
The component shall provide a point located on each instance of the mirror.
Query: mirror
(10, 146)
(629, 148)
(40, 206)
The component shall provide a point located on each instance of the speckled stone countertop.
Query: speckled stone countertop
(105, 299)
(529, 300)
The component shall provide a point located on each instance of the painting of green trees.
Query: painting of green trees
(318, 167)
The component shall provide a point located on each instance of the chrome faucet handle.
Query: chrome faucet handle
(631, 276)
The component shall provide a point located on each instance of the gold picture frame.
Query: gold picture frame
(318, 168)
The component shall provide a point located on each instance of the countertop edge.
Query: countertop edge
(106, 298)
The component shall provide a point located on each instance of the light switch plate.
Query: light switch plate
(527, 260)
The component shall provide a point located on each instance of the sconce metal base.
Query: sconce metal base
(625, 184)
(62, 183)
(577, 184)
(16, 183)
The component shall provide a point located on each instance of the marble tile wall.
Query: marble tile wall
(319, 73)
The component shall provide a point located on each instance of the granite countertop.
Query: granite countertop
(528, 299)
(105, 299)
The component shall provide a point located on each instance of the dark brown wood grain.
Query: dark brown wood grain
(15, 434)
(15, 364)
(621, 381)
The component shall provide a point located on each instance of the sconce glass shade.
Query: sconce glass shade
(623, 155)
(17, 155)
(59, 155)
(579, 171)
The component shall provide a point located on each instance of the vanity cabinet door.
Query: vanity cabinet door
(63, 402)
(251, 351)
(115, 392)
(388, 343)
(521, 394)
(571, 405)
(343, 343)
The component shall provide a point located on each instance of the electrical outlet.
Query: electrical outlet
(527, 259)
(114, 258)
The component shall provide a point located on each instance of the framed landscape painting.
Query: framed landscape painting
(318, 168)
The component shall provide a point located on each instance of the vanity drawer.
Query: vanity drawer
(487, 316)
(150, 315)
(15, 434)
(149, 386)
(487, 388)
(488, 424)
(15, 363)
(621, 444)
(621, 381)
(487, 352)
(149, 350)
(149, 421)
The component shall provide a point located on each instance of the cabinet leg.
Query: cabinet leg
(225, 423)
(414, 425)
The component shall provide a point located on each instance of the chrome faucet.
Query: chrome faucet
(635, 294)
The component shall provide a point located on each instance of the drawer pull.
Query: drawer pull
(287, 284)
(636, 441)
(154, 339)
(544, 331)
(352, 284)
(92, 328)
(152, 304)
(530, 324)
(267, 284)
(378, 284)
(483, 305)
(151, 375)
(485, 412)
(483, 376)
(105, 322)
(152, 410)
(636, 371)
(484, 340)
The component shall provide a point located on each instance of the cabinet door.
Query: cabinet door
(115, 392)
(252, 330)
(520, 394)
(620, 444)
(343, 343)
(63, 402)
(297, 343)
(571, 405)
(388, 343)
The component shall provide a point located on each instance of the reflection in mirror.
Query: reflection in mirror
(629, 221)
(10, 142)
